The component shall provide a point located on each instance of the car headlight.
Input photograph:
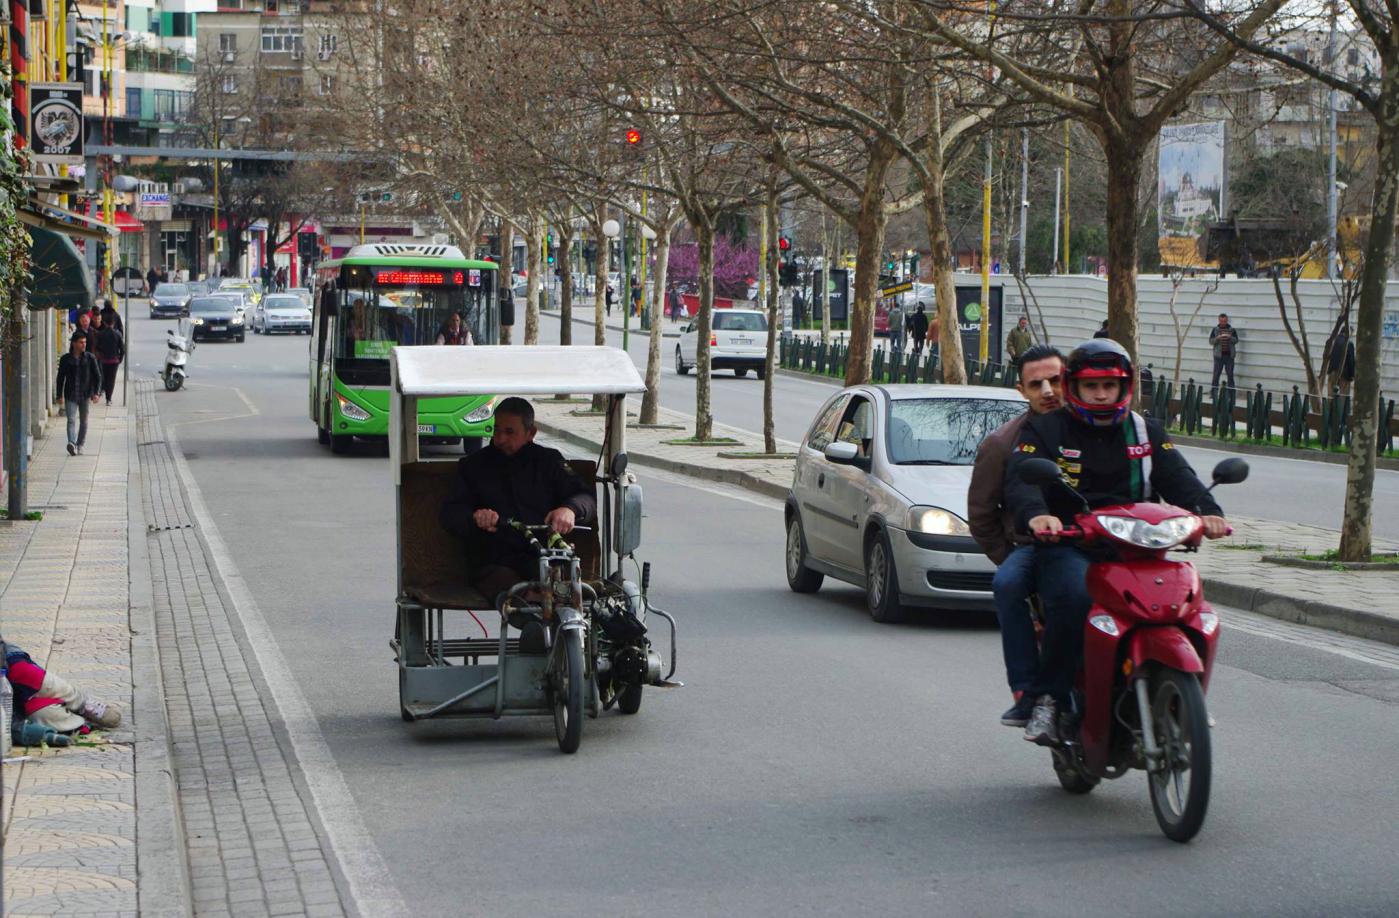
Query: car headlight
(937, 521)
(196, 321)
(480, 413)
(1165, 534)
(350, 410)
(236, 320)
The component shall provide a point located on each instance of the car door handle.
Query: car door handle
(821, 480)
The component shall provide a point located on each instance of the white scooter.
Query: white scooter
(177, 351)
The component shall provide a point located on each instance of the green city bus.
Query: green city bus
(387, 295)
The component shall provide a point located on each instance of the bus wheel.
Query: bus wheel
(340, 444)
(470, 445)
(322, 435)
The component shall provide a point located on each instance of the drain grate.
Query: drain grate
(168, 528)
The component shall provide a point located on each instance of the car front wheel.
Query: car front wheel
(882, 582)
(800, 578)
(680, 367)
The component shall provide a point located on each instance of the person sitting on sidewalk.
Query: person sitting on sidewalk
(50, 700)
(79, 381)
(1041, 368)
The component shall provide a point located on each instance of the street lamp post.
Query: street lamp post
(612, 229)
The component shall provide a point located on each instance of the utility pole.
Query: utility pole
(984, 349)
(1024, 191)
(1333, 247)
(1054, 252)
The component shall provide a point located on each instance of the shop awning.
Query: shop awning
(52, 217)
(60, 276)
(126, 222)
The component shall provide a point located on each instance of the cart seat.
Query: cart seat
(435, 562)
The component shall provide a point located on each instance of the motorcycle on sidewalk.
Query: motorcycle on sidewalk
(177, 351)
(1148, 649)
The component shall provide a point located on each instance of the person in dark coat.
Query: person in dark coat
(513, 478)
(79, 381)
(152, 279)
(111, 348)
(919, 329)
(1102, 331)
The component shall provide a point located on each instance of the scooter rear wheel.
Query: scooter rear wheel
(1180, 783)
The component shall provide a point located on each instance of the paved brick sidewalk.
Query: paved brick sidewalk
(1360, 603)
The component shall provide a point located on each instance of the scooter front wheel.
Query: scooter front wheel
(173, 382)
(1180, 780)
(1071, 777)
(567, 689)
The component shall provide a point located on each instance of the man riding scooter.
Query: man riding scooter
(1110, 455)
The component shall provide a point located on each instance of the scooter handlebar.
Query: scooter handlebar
(1068, 532)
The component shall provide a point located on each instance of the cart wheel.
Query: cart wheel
(568, 692)
(629, 699)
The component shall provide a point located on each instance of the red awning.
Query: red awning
(127, 223)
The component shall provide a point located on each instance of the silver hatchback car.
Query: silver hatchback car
(879, 498)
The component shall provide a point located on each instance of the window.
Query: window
(327, 84)
(289, 88)
(1353, 57)
(857, 426)
(824, 427)
(944, 431)
(230, 85)
(181, 25)
(328, 45)
(281, 39)
(228, 43)
(740, 321)
(172, 104)
(133, 102)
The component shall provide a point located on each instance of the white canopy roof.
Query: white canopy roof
(426, 371)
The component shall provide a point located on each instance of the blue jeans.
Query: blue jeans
(76, 411)
(1061, 573)
(1013, 583)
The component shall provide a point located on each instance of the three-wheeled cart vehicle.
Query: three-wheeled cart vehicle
(598, 651)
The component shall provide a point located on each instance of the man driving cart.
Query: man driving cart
(513, 478)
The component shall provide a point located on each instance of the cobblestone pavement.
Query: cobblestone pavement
(1360, 603)
(69, 819)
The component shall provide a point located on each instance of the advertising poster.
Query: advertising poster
(1191, 190)
(969, 320)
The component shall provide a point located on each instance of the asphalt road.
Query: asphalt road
(814, 762)
(1287, 490)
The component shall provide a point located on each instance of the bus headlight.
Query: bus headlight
(350, 410)
(481, 413)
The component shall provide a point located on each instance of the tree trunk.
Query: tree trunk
(704, 236)
(954, 370)
(1124, 172)
(869, 247)
(651, 401)
(506, 271)
(771, 231)
(1369, 321)
(566, 285)
(535, 241)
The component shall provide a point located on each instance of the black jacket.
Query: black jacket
(920, 325)
(110, 347)
(78, 377)
(1097, 464)
(524, 487)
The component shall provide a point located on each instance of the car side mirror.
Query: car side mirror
(1039, 472)
(842, 453)
(1230, 471)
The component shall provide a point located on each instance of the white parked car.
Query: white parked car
(281, 312)
(879, 496)
(737, 341)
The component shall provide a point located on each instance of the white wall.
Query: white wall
(1075, 305)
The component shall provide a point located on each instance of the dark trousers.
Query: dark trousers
(109, 379)
(1012, 585)
(1061, 573)
(1225, 363)
(491, 580)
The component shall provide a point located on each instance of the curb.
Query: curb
(588, 323)
(1353, 622)
(162, 865)
(1279, 452)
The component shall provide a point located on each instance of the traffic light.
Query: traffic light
(784, 244)
(306, 245)
(633, 137)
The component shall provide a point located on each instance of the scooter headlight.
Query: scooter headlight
(350, 410)
(937, 521)
(481, 412)
(1164, 534)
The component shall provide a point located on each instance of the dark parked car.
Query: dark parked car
(170, 300)
(215, 317)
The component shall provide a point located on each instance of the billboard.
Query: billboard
(1191, 190)
(56, 123)
(969, 321)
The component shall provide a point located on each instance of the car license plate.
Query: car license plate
(743, 341)
(427, 428)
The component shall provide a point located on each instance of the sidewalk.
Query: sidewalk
(1358, 603)
(583, 315)
(197, 804)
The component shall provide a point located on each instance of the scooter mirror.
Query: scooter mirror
(1230, 471)
(1039, 472)
(170, 331)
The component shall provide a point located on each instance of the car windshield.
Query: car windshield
(944, 431)
(740, 321)
(172, 290)
(281, 301)
(210, 304)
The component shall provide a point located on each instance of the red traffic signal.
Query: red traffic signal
(633, 137)
(784, 243)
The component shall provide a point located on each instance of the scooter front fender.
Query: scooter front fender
(1164, 644)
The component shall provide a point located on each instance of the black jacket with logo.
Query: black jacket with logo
(523, 487)
(1098, 462)
(78, 377)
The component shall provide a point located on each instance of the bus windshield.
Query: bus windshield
(374, 319)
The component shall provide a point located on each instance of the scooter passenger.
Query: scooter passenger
(1110, 455)
(1041, 370)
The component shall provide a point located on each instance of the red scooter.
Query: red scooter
(1148, 648)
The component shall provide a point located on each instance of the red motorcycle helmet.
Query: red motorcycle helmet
(1098, 358)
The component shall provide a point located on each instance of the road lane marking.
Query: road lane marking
(1341, 645)
(372, 889)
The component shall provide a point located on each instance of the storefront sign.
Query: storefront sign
(56, 122)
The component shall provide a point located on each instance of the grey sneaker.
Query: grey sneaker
(1043, 728)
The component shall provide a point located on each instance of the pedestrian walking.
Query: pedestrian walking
(110, 351)
(933, 337)
(113, 318)
(677, 305)
(282, 279)
(609, 300)
(164, 275)
(636, 296)
(84, 328)
(79, 380)
(1224, 338)
(1340, 363)
(152, 278)
(1018, 341)
(919, 329)
(896, 328)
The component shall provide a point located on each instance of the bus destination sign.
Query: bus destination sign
(414, 277)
